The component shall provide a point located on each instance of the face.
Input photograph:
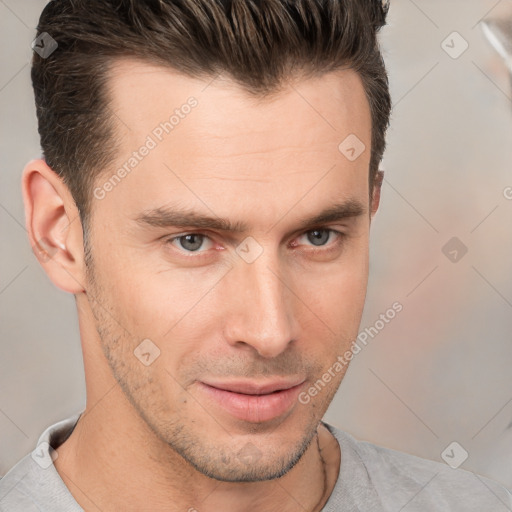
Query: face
(232, 250)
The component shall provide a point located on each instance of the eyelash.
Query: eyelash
(313, 249)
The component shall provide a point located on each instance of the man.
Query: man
(209, 180)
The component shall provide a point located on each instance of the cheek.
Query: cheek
(176, 313)
(153, 297)
(337, 291)
(334, 300)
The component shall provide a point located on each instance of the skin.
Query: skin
(150, 432)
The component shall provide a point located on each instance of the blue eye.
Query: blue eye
(191, 242)
(200, 244)
(320, 237)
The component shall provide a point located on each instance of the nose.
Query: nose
(260, 308)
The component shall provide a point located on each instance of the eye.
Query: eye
(200, 243)
(319, 237)
(190, 242)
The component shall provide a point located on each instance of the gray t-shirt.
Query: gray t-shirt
(371, 479)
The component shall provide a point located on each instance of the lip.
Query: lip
(251, 401)
(254, 387)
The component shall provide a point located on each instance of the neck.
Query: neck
(143, 473)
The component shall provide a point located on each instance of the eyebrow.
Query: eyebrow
(178, 217)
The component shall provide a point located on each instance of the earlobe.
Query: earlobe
(53, 226)
(377, 186)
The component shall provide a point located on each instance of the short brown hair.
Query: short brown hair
(258, 43)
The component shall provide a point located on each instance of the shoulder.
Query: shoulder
(33, 484)
(417, 484)
(34, 487)
(16, 489)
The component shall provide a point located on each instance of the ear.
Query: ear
(377, 186)
(54, 227)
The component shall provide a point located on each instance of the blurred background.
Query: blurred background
(440, 370)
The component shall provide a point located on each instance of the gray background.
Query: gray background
(437, 373)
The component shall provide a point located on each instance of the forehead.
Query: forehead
(211, 139)
(323, 108)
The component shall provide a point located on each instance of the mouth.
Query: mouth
(252, 401)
